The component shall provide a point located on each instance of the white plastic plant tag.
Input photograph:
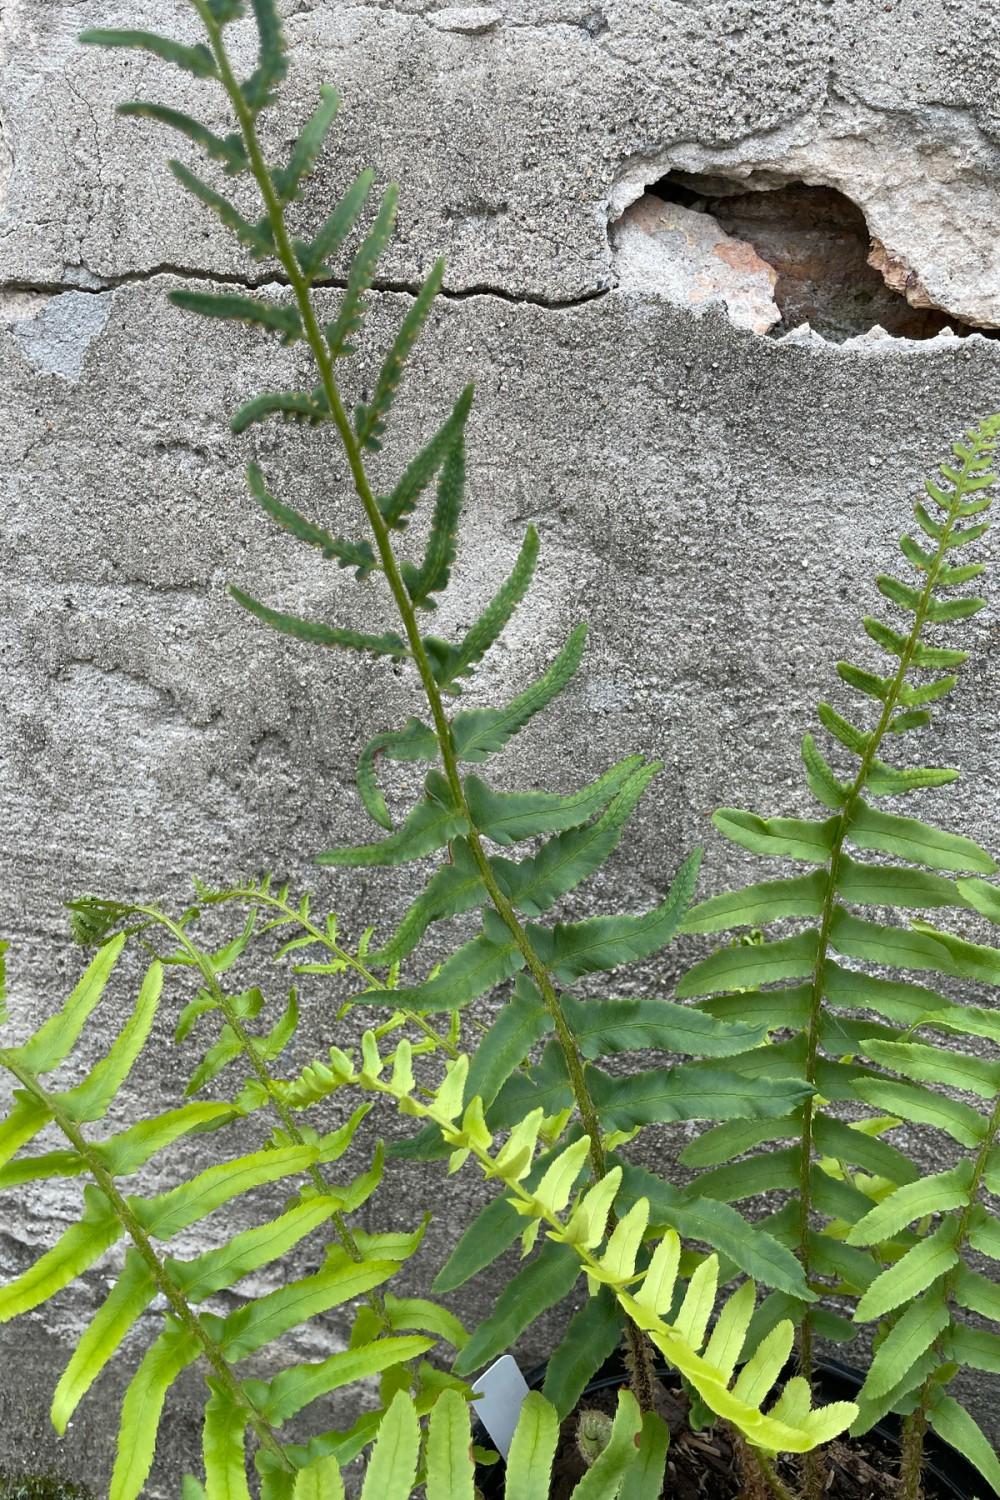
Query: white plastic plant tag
(501, 1391)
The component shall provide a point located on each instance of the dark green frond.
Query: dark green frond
(312, 255)
(288, 179)
(279, 317)
(357, 555)
(360, 276)
(256, 237)
(400, 504)
(293, 406)
(370, 417)
(272, 59)
(414, 742)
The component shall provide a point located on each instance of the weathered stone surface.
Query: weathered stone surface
(664, 250)
(528, 127)
(714, 502)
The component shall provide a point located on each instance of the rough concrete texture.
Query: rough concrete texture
(715, 502)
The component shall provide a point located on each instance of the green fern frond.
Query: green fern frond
(197, 60)
(358, 555)
(319, 634)
(918, 1255)
(309, 407)
(370, 417)
(257, 237)
(360, 276)
(108, 1213)
(272, 61)
(578, 1239)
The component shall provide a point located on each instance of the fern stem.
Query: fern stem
(179, 1304)
(300, 285)
(404, 605)
(912, 1460)
(768, 1473)
(889, 707)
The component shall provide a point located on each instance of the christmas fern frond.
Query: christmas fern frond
(302, 161)
(370, 417)
(826, 900)
(318, 634)
(228, 150)
(312, 256)
(463, 813)
(257, 237)
(923, 1299)
(280, 318)
(197, 60)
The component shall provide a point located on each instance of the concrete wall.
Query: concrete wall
(713, 499)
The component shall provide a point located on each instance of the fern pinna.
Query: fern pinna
(113, 1212)
(820, 1007)
(459, 812)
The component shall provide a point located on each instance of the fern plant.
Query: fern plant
(356, 1264)
(536, 1074)
(439, 1464)
(459, 814)
(848, 1173)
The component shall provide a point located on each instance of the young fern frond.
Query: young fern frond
(578, 1241)
(110, 1213)
(438, 1464)
(752, 980)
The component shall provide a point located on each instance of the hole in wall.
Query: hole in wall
(787, 254)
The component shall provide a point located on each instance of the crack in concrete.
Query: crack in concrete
(98, 286)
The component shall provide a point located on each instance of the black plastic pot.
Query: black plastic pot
(953, 1476)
